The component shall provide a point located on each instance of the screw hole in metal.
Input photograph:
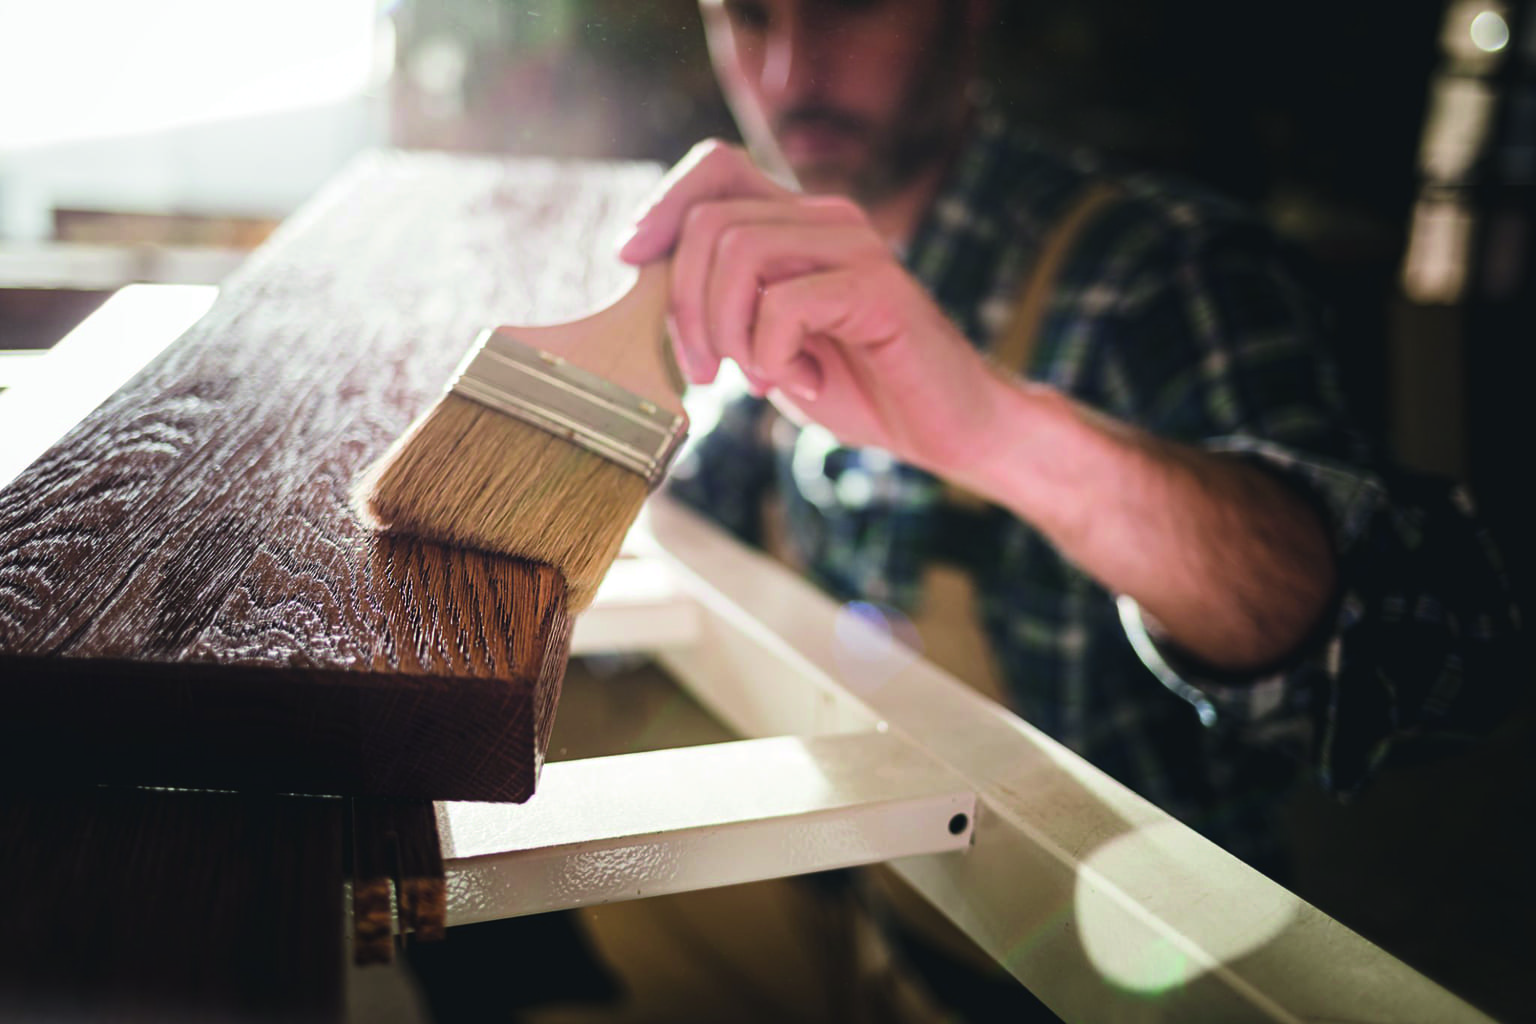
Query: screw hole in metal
(958, 824)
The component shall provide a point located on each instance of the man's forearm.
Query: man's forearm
(1233, 565)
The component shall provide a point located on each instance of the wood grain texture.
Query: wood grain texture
(399, 883)
(421, 880)
(129, 905)
(373, 919)
(185, 595)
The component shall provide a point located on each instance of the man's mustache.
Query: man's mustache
(817, 116)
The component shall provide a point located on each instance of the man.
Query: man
(1180, 445)
(1187, 570)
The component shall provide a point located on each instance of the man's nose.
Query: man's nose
(791, 61)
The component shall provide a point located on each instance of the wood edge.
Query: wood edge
(196, 725)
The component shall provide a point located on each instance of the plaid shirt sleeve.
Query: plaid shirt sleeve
(1224, 351)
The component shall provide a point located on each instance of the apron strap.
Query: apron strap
(1014, 349)
(967, 530)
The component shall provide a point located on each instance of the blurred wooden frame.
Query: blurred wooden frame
(122, 227)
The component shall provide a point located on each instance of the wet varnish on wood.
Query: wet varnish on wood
(186, 597)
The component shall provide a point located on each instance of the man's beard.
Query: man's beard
(921, 134)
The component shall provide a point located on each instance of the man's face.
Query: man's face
(853, 96)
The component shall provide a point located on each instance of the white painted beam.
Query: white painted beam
(90, 363)
(18, 366)
(1103, 905)
(639, 607)
(635, 825)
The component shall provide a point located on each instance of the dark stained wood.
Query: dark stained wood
(185, 595)
(399, 886)
(420, 877)
(373, 921)
(125, 905)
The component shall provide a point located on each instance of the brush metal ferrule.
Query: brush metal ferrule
(545, 391)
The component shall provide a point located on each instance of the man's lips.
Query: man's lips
(816, 140)
(809, 134)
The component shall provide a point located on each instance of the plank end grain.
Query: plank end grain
(186, 596)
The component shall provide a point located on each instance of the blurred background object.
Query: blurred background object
(179, 109)
(160, 141)
(579, 78)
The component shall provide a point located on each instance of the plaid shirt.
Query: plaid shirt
(1177, 312)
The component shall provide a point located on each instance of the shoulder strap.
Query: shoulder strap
(1015, 347)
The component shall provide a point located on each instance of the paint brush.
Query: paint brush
(546, 443)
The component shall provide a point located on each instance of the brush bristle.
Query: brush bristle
(473, 477)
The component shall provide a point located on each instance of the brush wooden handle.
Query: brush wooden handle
(624, 342)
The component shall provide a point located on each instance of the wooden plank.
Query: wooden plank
(399, 885)
(137, 905)
(192, 539)
(373, 924)
(420, 875)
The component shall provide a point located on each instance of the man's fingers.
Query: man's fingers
(698, 366)
(727, 248)
(803, 378)
(850, 306)
(711, 170)
(690, 269)
(749, 258)
(820, 387)
(730, 229)
(693, 260)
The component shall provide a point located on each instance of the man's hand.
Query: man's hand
(808, 299)
(804, 294)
